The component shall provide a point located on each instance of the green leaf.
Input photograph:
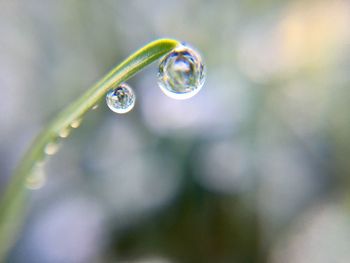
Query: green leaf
(13, 201)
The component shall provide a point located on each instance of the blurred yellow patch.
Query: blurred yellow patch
(312, 33)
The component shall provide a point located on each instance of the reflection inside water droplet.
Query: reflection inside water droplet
(121, 99)
(181, 73)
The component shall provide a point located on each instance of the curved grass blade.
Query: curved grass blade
(12, 202)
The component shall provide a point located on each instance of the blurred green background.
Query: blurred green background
(255, 168)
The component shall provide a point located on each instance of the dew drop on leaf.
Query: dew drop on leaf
(36, 178)
(121, 99)
(181, 73)
(64, 132)
(76, 123)
(51, 148)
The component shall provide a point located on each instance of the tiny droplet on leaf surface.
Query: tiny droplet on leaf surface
(36, 178)
(76, 123)
(64, 132)
(51, 148)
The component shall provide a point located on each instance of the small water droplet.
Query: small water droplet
(181, 73)
(64, 132)
(76, 123)
(37, 178)
(95, 107)
(121, 99)
(51, 148)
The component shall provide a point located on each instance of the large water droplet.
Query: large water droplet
(181, 73)
(121, 99)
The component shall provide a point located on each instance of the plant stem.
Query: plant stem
(12, 203)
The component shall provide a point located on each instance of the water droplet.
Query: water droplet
(64, 132)
(121, 99)
(37, 178)
(181, 73)
(51, 148)
(76, 123)
(95, 107)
